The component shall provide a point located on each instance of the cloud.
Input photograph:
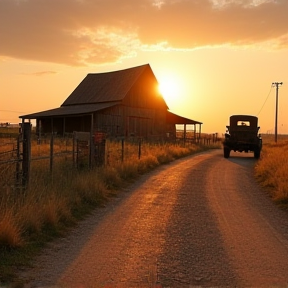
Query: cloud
(40, 73)
(220, 4)
(83, 32)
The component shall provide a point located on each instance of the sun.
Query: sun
(169, 87)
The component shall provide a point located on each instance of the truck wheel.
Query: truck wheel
(256, 154)
(226, 152)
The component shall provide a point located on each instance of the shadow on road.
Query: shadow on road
(194, 252)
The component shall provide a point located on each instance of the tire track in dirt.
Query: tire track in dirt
(254, 230)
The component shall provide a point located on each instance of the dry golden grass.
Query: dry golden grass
(43, 148)
(10, 229)
(272, 169)
(57, 199)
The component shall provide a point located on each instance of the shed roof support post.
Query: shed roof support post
(64, 126)
(185, 131)
(39, 127)
(199, 132)
(52, 129)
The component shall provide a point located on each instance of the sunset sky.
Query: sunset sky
(220, 57)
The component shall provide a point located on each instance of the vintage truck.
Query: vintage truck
(242, 135)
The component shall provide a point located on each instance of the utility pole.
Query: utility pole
(276, 114)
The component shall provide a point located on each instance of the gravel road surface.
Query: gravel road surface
(198, 222)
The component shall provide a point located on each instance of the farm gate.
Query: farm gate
(17, 153)
(14, 157)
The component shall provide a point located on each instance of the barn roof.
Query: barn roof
(176, 119)
(70, 110)
(106, 87)
(97, 91)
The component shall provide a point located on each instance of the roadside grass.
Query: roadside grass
(272, 170)
(53, 203)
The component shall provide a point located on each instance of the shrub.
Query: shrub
(127, 170)
(10, 230)
(147, 163)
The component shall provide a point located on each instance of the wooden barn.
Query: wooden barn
(124, 103)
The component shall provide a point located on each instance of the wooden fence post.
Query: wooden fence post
(26, 130)
(139, 149)
(74, 149)
(122, 150)
(19, 140)
(51, 152)
(92, 151)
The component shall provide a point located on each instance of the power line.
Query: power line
(265, 100)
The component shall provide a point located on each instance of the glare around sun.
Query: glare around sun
(169, 88)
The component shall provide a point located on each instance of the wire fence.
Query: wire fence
(9, 161)
(19, 154)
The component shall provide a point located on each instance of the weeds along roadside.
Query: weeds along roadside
(52, 203)
(271, 170)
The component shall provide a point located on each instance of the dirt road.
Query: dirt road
(202, 221)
